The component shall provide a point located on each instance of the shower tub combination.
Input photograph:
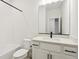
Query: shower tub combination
(7, 50)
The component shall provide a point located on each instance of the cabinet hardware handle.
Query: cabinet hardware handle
(47, 56)
(50, 56)
(35, 45)
(70, 51)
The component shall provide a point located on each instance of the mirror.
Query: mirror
(54, 17)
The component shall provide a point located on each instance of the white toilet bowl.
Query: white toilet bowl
(23, 52)
(20, 54)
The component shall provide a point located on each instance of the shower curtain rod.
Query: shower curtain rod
(11, 5)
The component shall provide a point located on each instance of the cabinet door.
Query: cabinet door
(61, 56)
(55, 56)
(37, 53)
(44, 54)
(68, 57)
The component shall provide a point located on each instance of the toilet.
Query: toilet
(23, 52)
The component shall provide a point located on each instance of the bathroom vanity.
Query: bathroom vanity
(59, 47)
(55, 17)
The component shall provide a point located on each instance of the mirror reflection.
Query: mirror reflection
(54, 17)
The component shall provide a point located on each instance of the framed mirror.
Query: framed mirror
(54, 17)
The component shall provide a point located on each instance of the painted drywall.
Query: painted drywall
(6, 32)
(74, 18)
(15, 25)
(30, 14)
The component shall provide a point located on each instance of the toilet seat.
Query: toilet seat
(20, 53)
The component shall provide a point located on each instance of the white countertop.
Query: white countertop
(59, 39)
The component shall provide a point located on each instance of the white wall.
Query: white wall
(14, 25)
(74, 18)
(6, 26)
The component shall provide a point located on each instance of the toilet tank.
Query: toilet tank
(26, 43)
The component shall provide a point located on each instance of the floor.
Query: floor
(29, 56)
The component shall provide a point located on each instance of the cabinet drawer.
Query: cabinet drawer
(70, 51)
(50, 47)
(35, 44)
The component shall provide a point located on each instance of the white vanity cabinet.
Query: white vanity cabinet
(39, 53)
(70, 52)
(55, 55)
(43, 50)
(35, 50)
(68, 57)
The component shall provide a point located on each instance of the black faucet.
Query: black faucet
(51, 34)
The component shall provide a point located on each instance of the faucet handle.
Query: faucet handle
(51, 34)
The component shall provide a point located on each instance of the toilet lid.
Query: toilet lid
(20, 52)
